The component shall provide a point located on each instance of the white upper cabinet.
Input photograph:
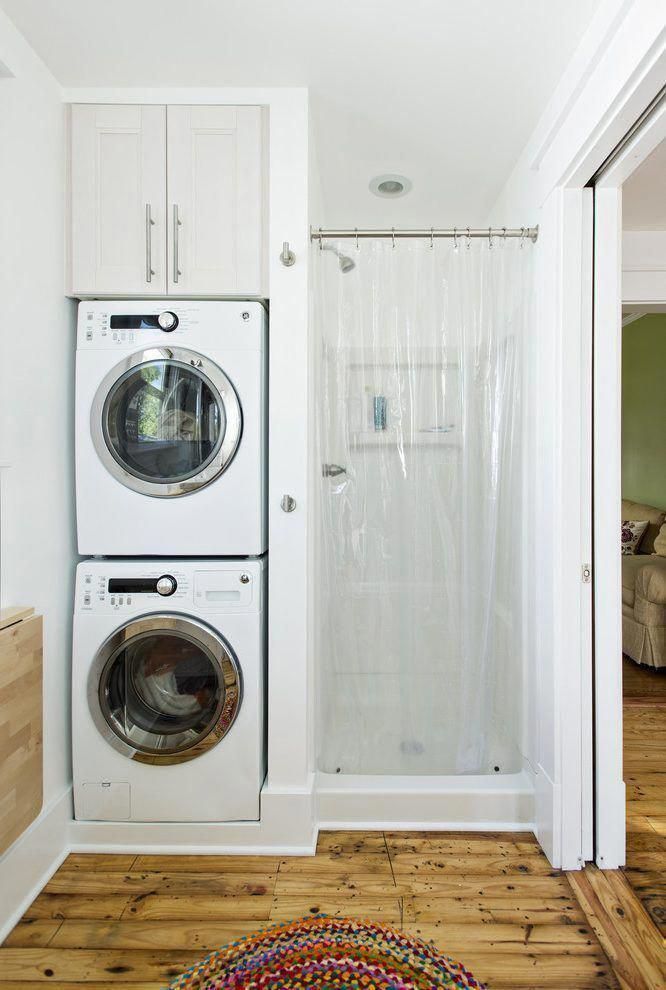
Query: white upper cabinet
(167, 200)
(215, 199)
(118, 228)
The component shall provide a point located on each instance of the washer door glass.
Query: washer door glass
(164, 421)
(167, 693)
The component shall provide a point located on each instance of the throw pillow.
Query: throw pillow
(632, 534)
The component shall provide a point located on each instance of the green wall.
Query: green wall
(644, 410)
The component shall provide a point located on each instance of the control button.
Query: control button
(113, 600)
(167, 321)
(129, 600)
(121, 600)
(86, 599)
(166, 585)
(89, 335)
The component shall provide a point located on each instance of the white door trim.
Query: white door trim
(618, 69)
(609, 789)
(610, 823)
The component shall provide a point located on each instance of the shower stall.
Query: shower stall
(422, 677)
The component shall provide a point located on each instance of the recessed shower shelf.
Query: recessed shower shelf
(392, 438)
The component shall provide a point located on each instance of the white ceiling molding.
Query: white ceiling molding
(644, 194)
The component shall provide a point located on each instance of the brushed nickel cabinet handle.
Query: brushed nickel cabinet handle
(177, 222)
(150, 223)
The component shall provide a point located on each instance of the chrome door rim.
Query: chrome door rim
(220, 385)
(214, 645)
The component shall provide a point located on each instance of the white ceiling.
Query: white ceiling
(443, 91)
(644, 194)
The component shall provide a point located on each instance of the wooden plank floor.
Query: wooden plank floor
(645, 778)
(491, 900)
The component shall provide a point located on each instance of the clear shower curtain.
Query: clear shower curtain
(420, 435)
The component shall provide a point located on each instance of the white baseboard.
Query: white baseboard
(286, 829)
(28, 865)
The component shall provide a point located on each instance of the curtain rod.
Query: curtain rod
(320, 234)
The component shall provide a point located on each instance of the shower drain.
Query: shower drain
(412, 747)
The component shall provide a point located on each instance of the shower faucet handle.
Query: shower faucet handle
(332, 470)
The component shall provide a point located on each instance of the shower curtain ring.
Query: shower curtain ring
(490, 238)
(321, 246)
(503, 235)
(432, 238)
(356, 236)
(455, 238)
(393, 236)
(469, 239)
(522, 237)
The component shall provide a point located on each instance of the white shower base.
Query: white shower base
(480, 802)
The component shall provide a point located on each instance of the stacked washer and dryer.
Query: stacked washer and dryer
(169, 655)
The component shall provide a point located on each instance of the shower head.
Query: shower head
(345, 262)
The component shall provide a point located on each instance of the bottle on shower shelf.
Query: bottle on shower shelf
(379, 412)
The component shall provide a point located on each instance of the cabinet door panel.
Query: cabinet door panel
(118, 188)
(215, 196)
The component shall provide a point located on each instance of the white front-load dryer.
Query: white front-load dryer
(168, 676)
(171, 428)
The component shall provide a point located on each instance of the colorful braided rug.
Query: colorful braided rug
(327, 953)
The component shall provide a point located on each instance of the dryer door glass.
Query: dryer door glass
(166, 421)
(168, 694)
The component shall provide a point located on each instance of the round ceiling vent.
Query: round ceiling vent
(390, 186)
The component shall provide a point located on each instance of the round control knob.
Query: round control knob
(167, 321)
(166, 585)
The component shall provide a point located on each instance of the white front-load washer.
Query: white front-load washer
(168, 679)
(171, 428)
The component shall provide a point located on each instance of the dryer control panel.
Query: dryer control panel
(116, 324)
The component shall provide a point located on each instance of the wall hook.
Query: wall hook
(287, 257)
(287, 503)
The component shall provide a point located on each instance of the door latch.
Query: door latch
(586, 572)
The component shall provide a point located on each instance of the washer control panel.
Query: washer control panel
(101, 592)
(206, 586)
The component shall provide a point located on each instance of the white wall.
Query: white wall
(36, 376)
(643, 267)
